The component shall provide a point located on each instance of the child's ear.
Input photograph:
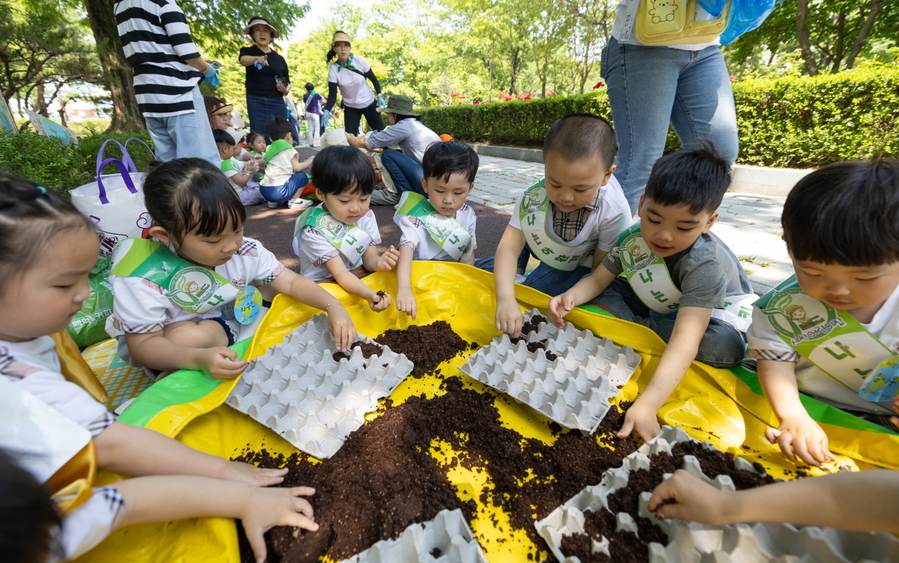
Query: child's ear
(640, 205)
(160, 233)
(424, 185)
(608, 175)
(708, 226)
(319, 194)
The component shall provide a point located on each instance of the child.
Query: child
(682, 281)
(256, 143)
(841, 226)
(47, 250)
(336, 240)
(238, 173)
(174, 296)
(441, 227)
(284, 177)
(570, 220)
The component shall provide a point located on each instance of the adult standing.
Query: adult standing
(349, 73)
(167, 70)
(413, 137)
(655, 78)
(267, 79)
(313, 102)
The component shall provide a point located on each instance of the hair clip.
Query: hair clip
(42, 189)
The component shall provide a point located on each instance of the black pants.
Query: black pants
(352, 117)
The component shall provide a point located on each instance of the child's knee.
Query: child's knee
(722, 345)
(204, 334)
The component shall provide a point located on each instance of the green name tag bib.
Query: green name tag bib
(349, 240)
(532, 215)
(275, 148)
(447, 232)
(193, 288)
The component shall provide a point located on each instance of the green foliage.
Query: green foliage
(63, 167)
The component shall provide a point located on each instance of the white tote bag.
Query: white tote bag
(115, 203)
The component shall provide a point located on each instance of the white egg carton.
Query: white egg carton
(299, 391)
(574, 389)
(690, 542)
(445, 539)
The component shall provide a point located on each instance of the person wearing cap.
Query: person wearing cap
(219, 113)
(349, 73)
(313, 102)
(413, 138)
(267, 79)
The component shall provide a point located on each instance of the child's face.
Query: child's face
(204, 251)
(669, 229)
(226, 151)
(573, 185)
(859, 290)
(44, 299)
(447, 196)
(258, 145)
(347, 207)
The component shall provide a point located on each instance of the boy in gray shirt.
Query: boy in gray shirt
(680, 280)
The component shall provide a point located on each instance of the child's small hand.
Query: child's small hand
(642, 420)
(341, 326)
(560, 306)
(388, 260)
(405, 302)
(688, 498)
(267, 508)
(508, 317)
(252, 475)
(220, 363)
(379, 302)
(801, 436)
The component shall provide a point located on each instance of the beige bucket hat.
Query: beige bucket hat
(259, 20)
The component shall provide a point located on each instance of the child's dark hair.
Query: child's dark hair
(442, 160)
(28, 517)
(31, 216)
(251, 137)
(222, 137)
(188, 195)
(340, 169)
(309, 87)
(845, 213)
(277, 128)
(581, 135)
(697, 178)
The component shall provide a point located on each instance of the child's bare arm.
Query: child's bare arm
(798, 432)
(584, 290)
(161, 499)
(508, 313)
(374, 261)
(300, 166)
(189, 348)
(405, 296)
(680, 352)
(598, 257)
(241, 179)
(307, 291)
(348, 281)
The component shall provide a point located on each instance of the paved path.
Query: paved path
(749, 223)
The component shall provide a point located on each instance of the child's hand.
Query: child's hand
(379, 302)
(560, 306)
(267, 508)
(508, 317)
(388, 260)
(689, 498)
(252, 475)
(642, 420)
(405, 302)
(220, 363)
(341, 326)
(801, 436)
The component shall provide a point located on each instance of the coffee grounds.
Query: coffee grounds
(531, 326)
(426, 346)
(368, 350)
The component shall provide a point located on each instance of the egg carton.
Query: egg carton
(298, 390)
(690, 542)
(445, 539)
(574, 390)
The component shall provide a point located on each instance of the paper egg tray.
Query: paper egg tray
(299, 391)
(574, 390)
(445, 539)
(690, 542)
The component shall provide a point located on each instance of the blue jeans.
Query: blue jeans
(184, 136)
(649, 87)
(721, 346)
(404, 171)
(544, 279)
(260, 108)
(280, 194)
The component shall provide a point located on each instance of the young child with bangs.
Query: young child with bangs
(337, 240)
(173, 295)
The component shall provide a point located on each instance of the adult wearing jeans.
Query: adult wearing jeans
(314, 106)
(267, 79)
(686, 85)
(413, 138)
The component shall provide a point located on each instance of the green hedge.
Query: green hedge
(786, 122)
(62, 167)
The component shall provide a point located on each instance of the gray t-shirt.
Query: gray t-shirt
(705, 273)
(410, 134)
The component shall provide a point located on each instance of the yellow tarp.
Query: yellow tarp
(464, 297)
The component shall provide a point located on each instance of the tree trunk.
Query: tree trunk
(802, 35)
(125, 114)
(876, 6)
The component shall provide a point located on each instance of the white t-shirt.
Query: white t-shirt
(612, 216)
(353, 86)
(315, 251)
(232, 167)
(764, 343)
(279, 169)
(623, 27)
(140, 306)
(424, 247)
(90, 523)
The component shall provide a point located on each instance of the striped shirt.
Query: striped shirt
(157, 41)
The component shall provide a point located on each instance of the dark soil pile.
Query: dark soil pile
(368, 350)
(532, 326)
(426, 346)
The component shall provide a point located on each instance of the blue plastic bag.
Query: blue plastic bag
(713, 7)
(745, 15)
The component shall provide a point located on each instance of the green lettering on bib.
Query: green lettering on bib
(447, 232)
(350, 240)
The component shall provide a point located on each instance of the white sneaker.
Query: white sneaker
(273, 205)
(299, 203)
